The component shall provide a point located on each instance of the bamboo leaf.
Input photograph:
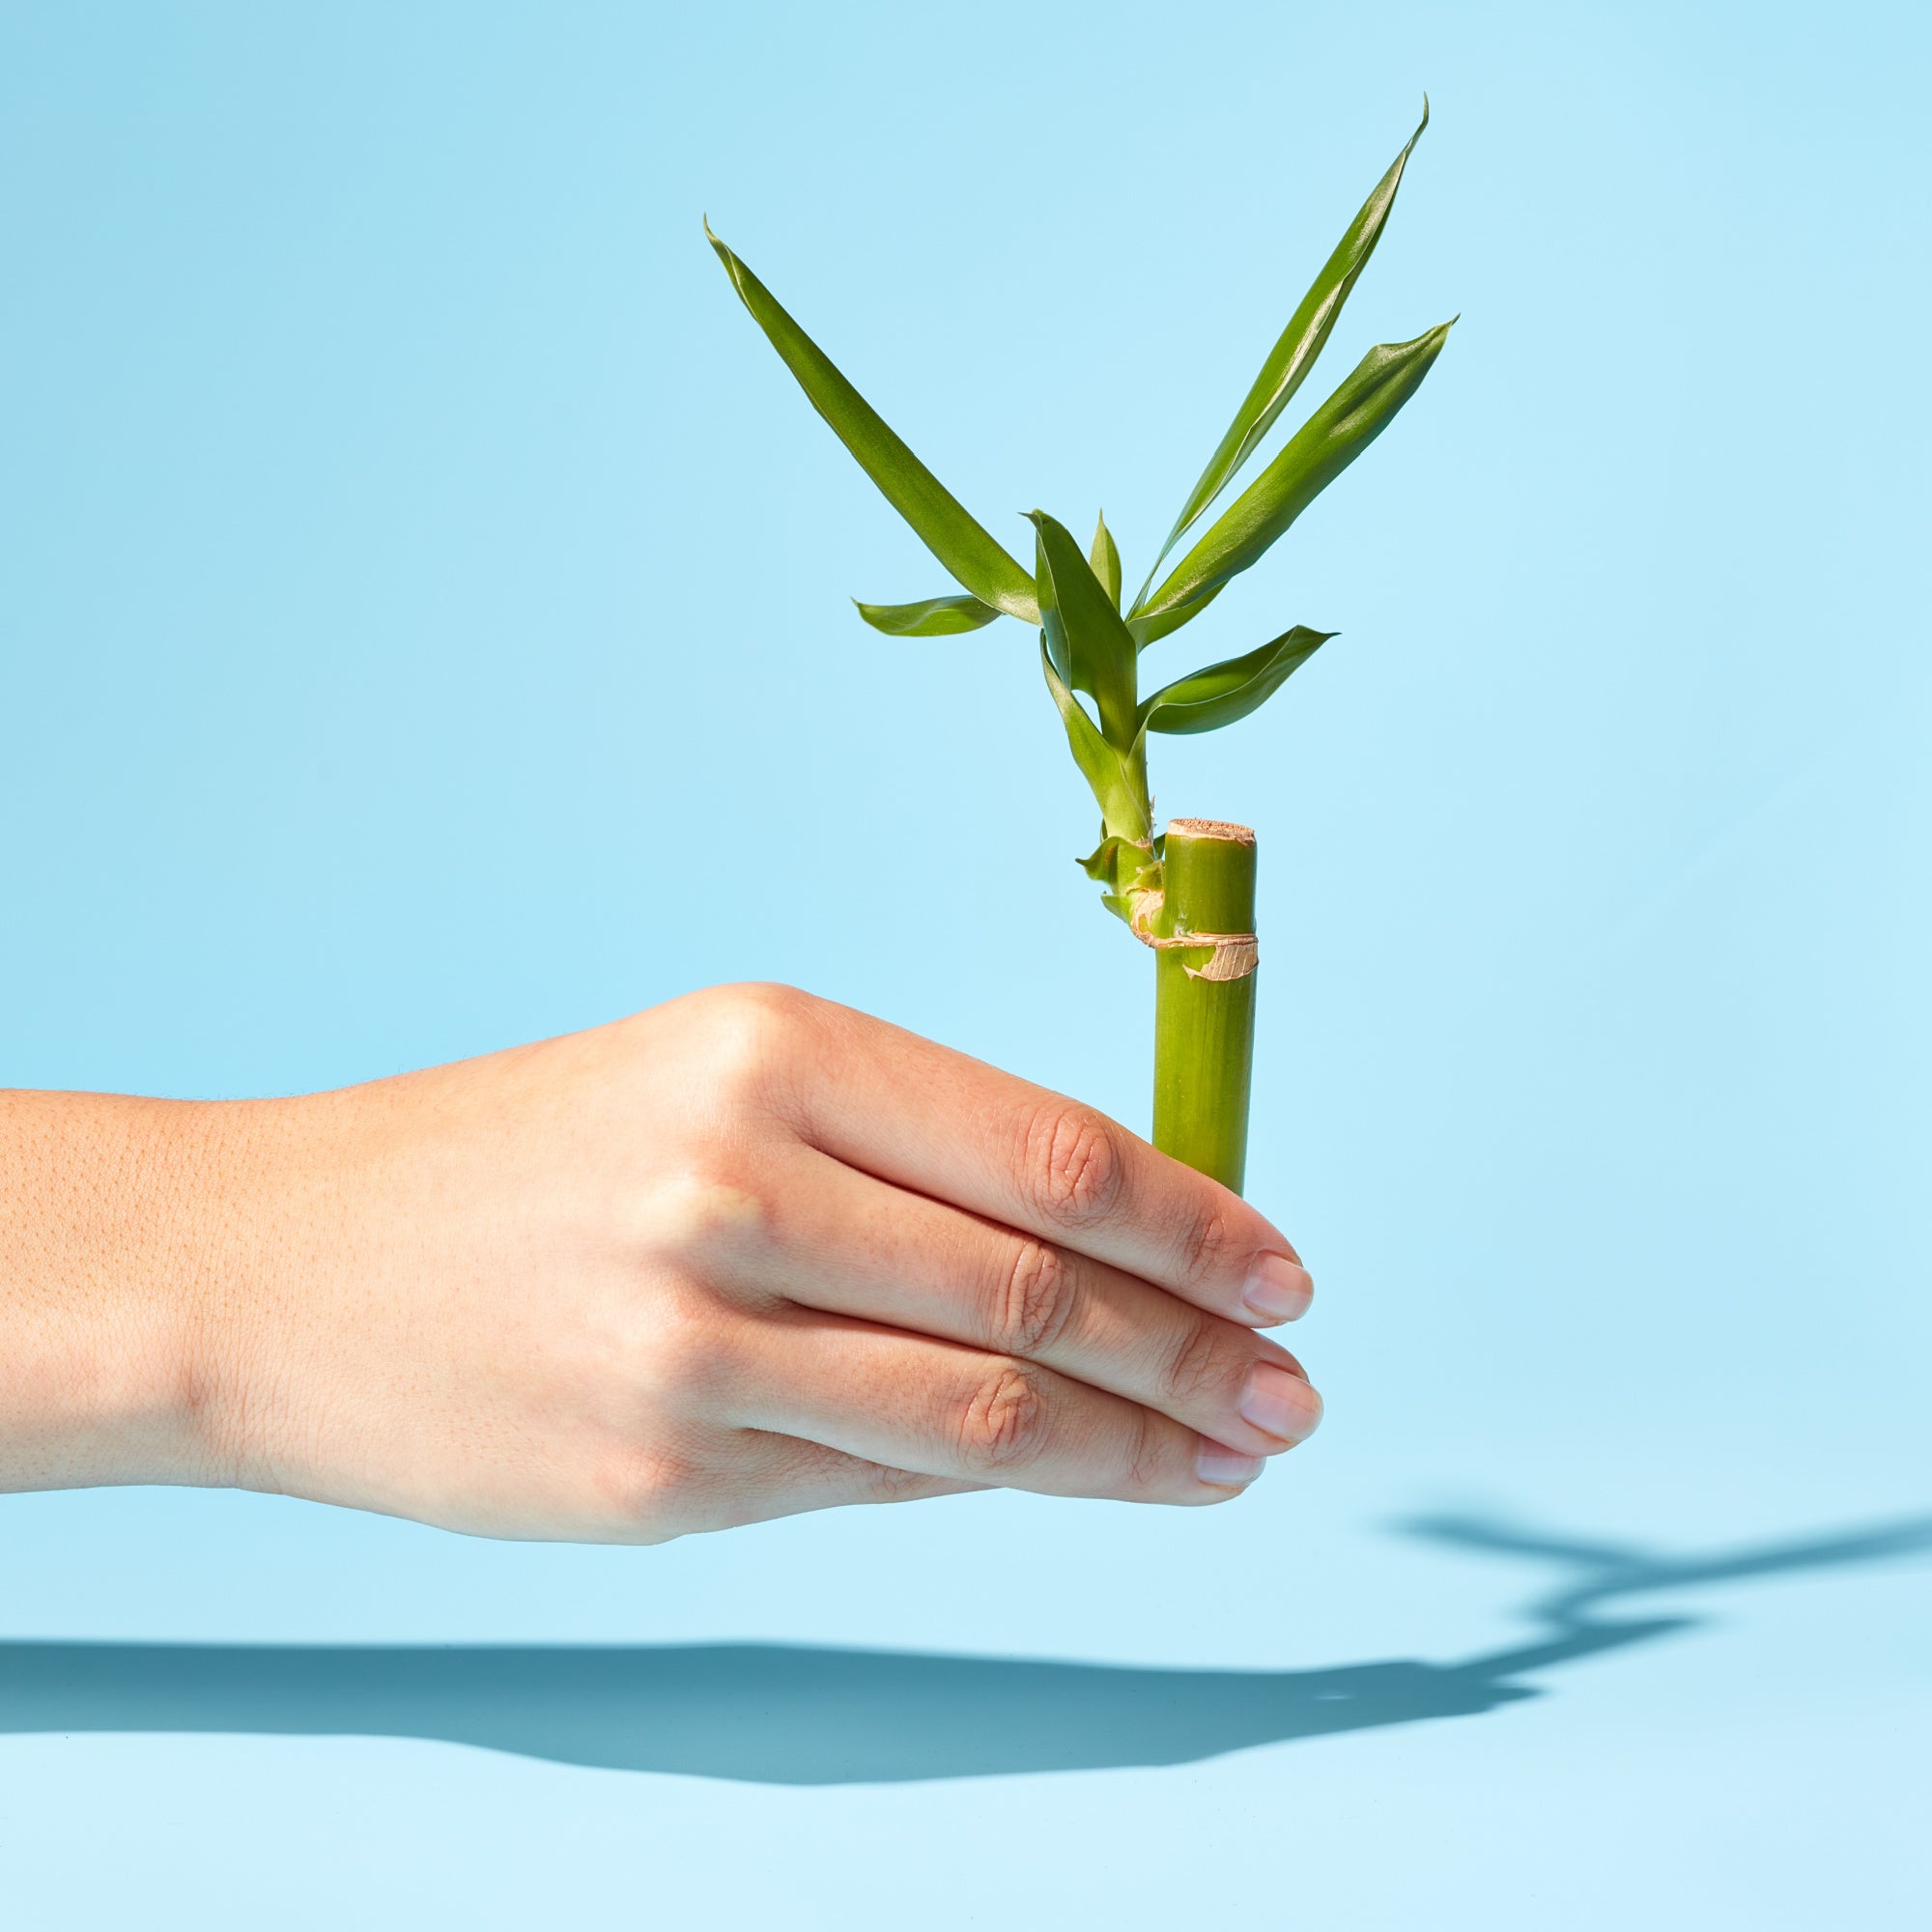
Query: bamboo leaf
(1109, 775)
(1148, 631)
(936, 516)
(1295, 350)
(1105, 558)
(1319, 451)
(929, 618)
(1222, 693)
(1085, 638)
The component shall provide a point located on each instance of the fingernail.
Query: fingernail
(1278, 1289)
(1281, 1404)
(1225, 1467)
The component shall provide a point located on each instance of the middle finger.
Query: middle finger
(852, 1244)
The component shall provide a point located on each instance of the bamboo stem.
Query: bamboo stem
(1203, 1030)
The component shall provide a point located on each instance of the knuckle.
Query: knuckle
(751, 1033)
(1197, 1364)
(1004, 1424)
(651, 1494)
(702, 1207)
(687, 1362)
(1037, 1299)
(765, 1000)
(886, 1485)
(1072, 1161)
(1210, 1244)
(1146, 1457)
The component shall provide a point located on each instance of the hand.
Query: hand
(745, 1254)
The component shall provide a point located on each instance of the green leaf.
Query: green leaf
(1105, 558)
(1088, 643)
(936, 516)
(1295, 352)
(1109, 774)
(929, 618)
(1148, 631)
(1318, 452)
(1225, 691)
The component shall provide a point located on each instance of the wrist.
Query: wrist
(123, 1223)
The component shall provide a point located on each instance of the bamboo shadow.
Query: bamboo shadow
(780, 1714)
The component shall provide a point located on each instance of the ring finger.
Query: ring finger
(937, 1408)
(859, 1247)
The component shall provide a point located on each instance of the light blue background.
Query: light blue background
(424, 629)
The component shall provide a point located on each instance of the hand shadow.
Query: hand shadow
(780, 1714)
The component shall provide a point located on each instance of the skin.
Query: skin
(745, 1254)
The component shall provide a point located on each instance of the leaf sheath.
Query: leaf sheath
(1123, 803)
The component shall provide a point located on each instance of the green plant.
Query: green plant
(1189, 893)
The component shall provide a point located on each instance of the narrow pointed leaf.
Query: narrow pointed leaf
(1318, 452)
(1295, 353)
(929, 618)
(1105, 558)
(1225, 691)
(1085, 638)
(937, 518)
(1108, 773)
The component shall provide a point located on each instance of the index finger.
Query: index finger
(951, 1127)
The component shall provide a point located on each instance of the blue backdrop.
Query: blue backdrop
(424, 628)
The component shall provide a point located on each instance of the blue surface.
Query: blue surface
(406, 536)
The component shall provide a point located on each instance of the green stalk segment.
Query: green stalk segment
(1204, 1028)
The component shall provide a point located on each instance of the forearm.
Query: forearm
(118, 1219)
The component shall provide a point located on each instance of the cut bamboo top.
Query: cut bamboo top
(1210, 828)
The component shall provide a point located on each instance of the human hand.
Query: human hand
(745, 1254)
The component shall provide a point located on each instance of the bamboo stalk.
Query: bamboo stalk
(1203, 1030)
(1201, 880)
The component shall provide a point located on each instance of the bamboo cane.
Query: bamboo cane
(1203, 1029)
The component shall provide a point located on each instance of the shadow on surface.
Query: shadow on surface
(792, 1714)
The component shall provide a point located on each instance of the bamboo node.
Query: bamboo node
(1235, 955)
(1144, 912)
